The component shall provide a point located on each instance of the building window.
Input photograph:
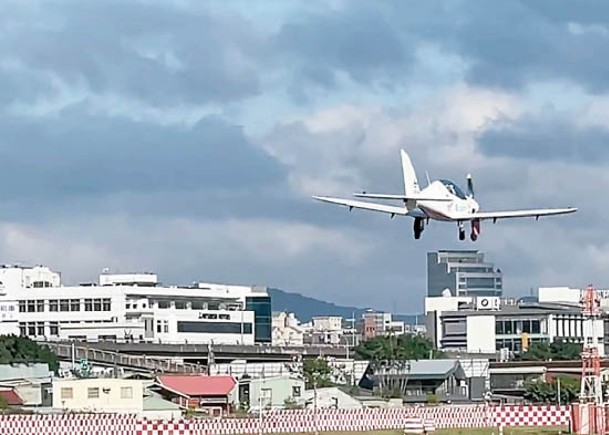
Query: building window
(88, 304)
(159, 328)
(67, 393)
(164, 304)
(166, 326)
(106, 305)
(22, 330)
(261, 306)
(215, 327)
(93, 393)
(40, 306)
(54, 328)
(97, 305)
(22, 306)
(40, 329)
(296, 391)
(126, 393)
(53, 305)
(198, 305)
(180, 305)
(31, 329)
(64, 305)
(31, 306)
(74, 304)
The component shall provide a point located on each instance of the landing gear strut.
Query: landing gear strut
(461, 231)
(419, 226)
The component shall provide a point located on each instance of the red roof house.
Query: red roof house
(11, 397)
(199, 391)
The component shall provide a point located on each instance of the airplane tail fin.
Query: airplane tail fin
(411, 185)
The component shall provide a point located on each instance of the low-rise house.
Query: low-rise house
(214, 394)
(111, 395)
(10, 397)
(32, 382)
(270, 393)
(99, 395)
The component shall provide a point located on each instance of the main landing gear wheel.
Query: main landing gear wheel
(418, 227)
(475, 230)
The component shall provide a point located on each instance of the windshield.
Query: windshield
(454, 189)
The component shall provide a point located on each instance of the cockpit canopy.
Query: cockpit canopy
(454, 189)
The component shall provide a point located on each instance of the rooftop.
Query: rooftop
(197, 385)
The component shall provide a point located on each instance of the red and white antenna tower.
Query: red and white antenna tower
(591, 389)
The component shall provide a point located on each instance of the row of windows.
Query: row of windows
(514, 344)
(165, 304)
(215, 327)
(34, 329)
(64, 305)
(93, 393)
(517, 326)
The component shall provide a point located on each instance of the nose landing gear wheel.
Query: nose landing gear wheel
(461, 234)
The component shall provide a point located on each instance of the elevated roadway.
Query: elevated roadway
(199, 353)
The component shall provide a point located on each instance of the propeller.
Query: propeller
(470, 186)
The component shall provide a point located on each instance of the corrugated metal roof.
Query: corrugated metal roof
(11, 372)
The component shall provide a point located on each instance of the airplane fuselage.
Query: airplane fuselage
(456, 204)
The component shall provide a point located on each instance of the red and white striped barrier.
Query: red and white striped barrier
(425, 418)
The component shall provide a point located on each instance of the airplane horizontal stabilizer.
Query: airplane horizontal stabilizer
(400, 197)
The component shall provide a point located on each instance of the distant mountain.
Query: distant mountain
(305, 307)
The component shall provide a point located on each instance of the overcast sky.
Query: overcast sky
(186, 137)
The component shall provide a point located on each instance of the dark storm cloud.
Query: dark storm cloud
(545, 139)
(75, 154)
(153, 52)
(505, 44)
(358, 40)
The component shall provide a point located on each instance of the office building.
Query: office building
(131, 307)
(489, 324)
(463, 273)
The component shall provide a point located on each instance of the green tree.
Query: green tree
(317, 373)
(400, 348)
(547, 392)
(558, 350)
(23, 350)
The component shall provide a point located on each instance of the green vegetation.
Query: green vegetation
(317, 373)
(547, 392)
(557, 351)
(15, 350)
(400, 348)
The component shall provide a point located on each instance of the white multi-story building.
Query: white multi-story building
(287, 330)
(131, 307)
(490, 324)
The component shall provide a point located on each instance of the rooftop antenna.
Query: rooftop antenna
(427, 176)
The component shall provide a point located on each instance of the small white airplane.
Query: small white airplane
(441, 200)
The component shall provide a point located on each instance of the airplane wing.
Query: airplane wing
(516, 214)
(364, 205)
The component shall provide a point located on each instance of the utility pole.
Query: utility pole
(315, 422)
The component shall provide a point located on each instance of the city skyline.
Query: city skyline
(188, 138)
